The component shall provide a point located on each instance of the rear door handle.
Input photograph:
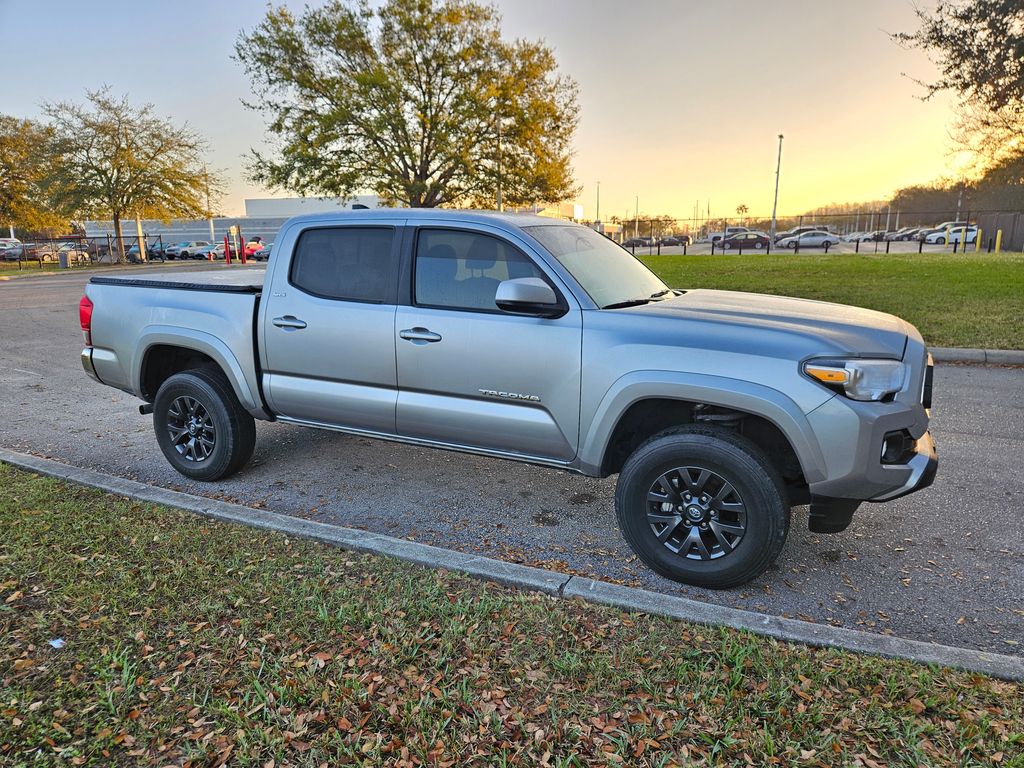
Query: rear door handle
(419, 335)
(289, 323)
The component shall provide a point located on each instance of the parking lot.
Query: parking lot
(943, 565)
(871, 247)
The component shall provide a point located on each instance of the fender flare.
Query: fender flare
(199, 341)
(746, 396)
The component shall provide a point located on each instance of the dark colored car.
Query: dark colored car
(747, 240)
(676, 240)
(637, 242)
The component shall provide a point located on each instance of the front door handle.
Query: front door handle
(419, 335)
(289, 323)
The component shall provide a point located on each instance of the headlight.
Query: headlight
(859, 379)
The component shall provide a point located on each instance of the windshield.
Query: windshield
(608, 273)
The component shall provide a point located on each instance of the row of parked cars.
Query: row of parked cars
(12, 249)
(255, 249)
(655, 242)
(946, 233)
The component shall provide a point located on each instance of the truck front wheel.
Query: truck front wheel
(702, 506)
(201, 427)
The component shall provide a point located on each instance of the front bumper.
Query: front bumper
(923, 466)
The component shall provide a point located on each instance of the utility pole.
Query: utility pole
(142, 240)
(636, 218)
(888, 213)
(501, 206)
(597, 218)
(775, 204)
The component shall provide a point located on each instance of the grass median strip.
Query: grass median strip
(955, 300)
(182, 640)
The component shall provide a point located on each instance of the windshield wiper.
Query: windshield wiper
(637, 302)
(627, 303)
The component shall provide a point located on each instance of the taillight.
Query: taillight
(85, 319)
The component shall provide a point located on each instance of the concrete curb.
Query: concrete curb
(550, 582)
(969, 355)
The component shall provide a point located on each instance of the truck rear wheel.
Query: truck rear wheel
(702, 506)
(201, 427)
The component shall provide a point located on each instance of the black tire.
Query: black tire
(224, 435)
(759, 245)
(757, 489)
(792, 246)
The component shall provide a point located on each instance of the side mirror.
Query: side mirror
(528, 296)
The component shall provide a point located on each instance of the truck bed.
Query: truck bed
(220, 280)
(211, 312)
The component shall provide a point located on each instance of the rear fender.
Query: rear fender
(200, 341)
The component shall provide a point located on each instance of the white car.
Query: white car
(205, 251)
(185, 249)
(956, 235)
(814, 239)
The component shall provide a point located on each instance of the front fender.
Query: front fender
(242, 381)
(737, 394)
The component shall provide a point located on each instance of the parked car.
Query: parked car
(672, 240)
(637, 242)
(12, 252)
(72, 251)
(11, 249)
(955, 235)
(204, 252)
(748, 240)
(153, 253)
(263, 254)
(185, 249)
(899, 234)
(794, 232)
(533, 339)
(40, 251)
(812, 239)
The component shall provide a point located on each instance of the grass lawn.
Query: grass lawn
(955, 300)
(193, 642)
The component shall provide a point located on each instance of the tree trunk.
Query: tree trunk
(118, 254)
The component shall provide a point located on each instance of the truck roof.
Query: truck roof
(515, 220)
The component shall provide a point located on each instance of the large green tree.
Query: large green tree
(112, 158)
(978, 46)
(421, 101)
(25, 155)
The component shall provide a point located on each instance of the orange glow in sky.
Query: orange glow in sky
(682, 100)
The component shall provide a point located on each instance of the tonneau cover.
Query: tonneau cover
(222, 281)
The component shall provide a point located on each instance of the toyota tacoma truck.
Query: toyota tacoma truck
(541, 341)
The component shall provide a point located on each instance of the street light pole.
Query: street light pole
(597, 218)
(636, 218)
(775, 205)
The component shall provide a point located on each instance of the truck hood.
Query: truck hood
(825, 328)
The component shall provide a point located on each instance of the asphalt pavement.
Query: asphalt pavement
(945, 565)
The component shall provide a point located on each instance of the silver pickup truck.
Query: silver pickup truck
(541, 341)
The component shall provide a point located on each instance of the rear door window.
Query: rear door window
(347, 263)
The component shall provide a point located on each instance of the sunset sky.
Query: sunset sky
(680, 100)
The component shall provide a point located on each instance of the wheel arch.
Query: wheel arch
(645, 403)
(164, 352)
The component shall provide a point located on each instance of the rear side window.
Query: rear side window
(347, 263)
(462, 270)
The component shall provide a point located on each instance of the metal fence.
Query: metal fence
(74, 250)
(885, 230)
